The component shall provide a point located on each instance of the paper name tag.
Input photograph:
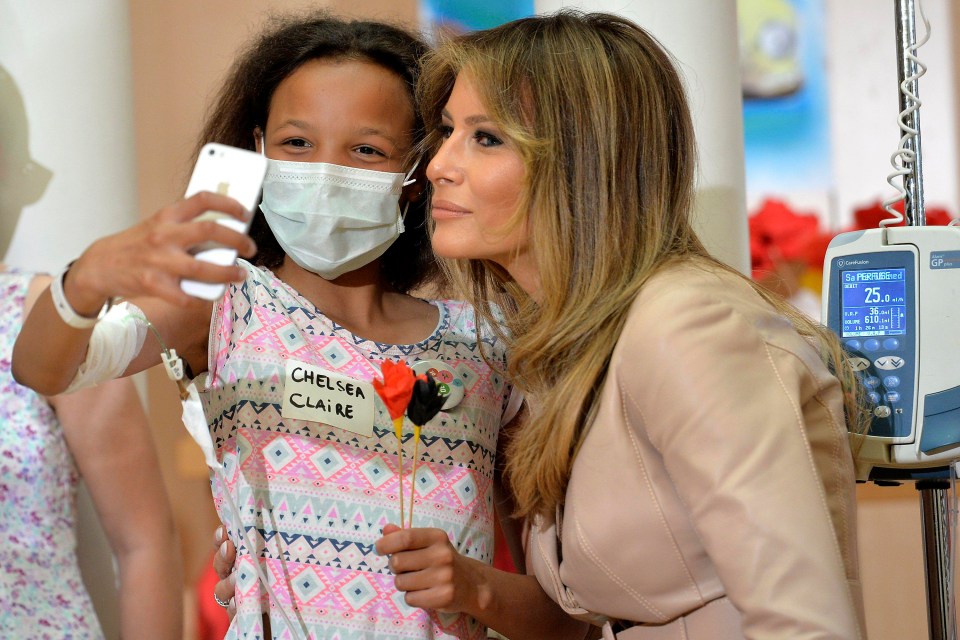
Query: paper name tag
(315, 394)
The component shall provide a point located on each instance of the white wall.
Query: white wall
(862, 60)
(702, 36)
(71, 61)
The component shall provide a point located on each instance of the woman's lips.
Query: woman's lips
(447, 209)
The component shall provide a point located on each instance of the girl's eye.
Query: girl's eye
(367, 150)
(485, 139)
(445, 131)
(298, 143)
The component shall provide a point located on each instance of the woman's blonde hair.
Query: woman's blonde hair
(597, 110)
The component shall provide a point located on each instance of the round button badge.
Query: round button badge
(451, 386)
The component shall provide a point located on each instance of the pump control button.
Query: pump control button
(871, 344)
(858, 364)
(891, 382)
(853, 345)
(892, 396)
(889, 362)
(891, 344)
(883, 411)
(871, 382)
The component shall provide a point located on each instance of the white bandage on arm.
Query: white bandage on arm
(116, 340)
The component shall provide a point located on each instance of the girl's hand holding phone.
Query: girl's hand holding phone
(230, 171)
(152, 257)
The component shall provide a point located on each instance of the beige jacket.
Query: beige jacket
(713, 498)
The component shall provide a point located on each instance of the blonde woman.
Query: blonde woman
(685, 470)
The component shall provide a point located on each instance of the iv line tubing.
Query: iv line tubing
(241, 531)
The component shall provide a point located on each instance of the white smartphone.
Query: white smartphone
(231, 171)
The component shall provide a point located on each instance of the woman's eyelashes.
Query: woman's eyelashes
(486, 139)
(481, 137)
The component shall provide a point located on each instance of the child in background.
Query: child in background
(47, 445)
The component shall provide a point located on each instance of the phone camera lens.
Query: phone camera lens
(212, 152)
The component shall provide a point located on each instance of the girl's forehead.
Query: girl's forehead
(344, 91)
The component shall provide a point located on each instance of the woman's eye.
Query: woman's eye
(445, 131)
(485, 139)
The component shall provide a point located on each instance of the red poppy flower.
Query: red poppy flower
(396, 388)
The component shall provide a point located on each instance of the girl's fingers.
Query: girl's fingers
(219, 537)
(207, 233)
(198, 204)
(395, 540)
(180, 266)
(225, 587)
(159, 274)
(425, 579)
(224, 558)
(424, 558)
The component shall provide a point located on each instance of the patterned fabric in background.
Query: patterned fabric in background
(41, 592)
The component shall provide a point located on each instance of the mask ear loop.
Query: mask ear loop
(258, 132)
(407, 181)
(403, 217)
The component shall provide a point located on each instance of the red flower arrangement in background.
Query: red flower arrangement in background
(787, 247)
(870, 216)
(779, 234)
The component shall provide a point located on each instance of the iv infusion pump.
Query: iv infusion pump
(892, 295)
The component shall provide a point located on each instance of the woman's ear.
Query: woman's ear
(258, 141)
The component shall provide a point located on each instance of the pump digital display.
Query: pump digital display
(874, 302)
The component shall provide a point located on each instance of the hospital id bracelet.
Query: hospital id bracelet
(67, 312)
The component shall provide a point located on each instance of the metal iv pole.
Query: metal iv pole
(908, 92)
(937, 543)
(937, 524)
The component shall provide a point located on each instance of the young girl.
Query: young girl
(285, 359)
(685, 467)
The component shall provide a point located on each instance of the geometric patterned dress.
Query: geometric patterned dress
(41, 592)
(315, 490)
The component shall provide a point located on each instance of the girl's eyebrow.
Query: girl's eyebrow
(373, 131)
(469, 120)
(300, 124)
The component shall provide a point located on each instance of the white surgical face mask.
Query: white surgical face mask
(332, 219)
